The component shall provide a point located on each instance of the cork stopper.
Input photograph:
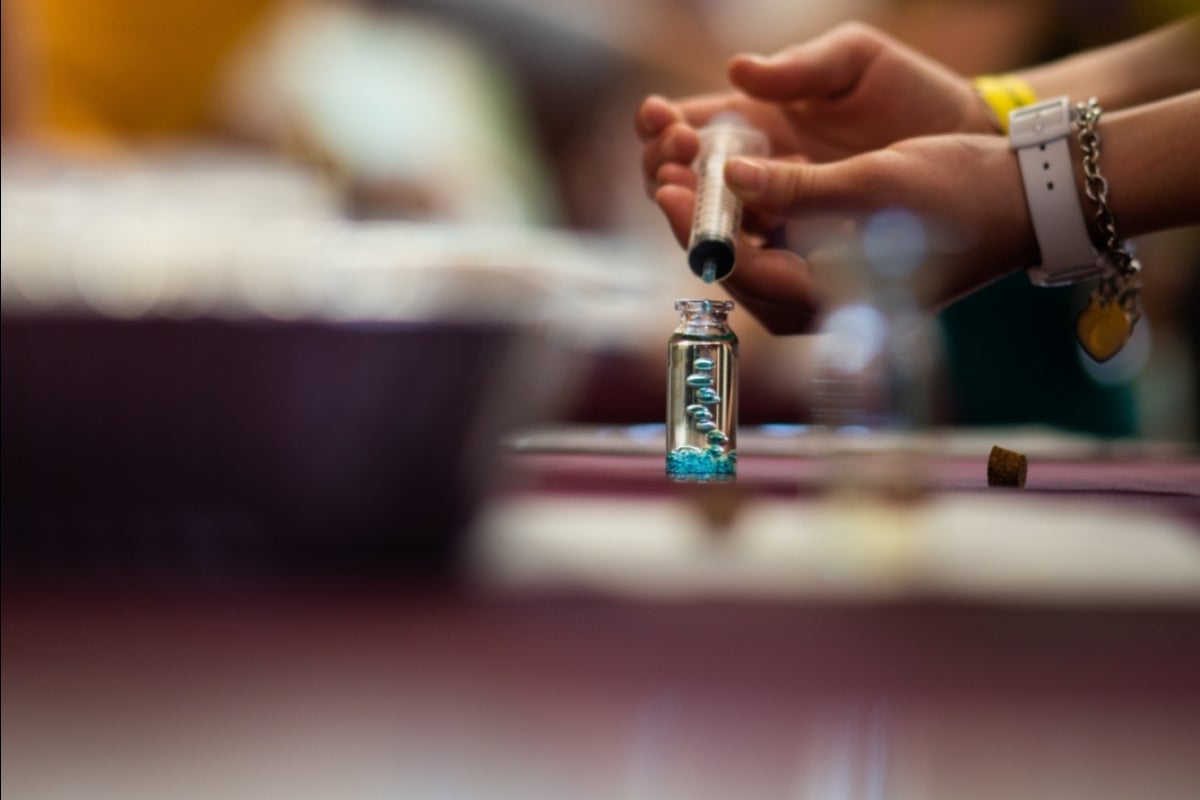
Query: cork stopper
(1006, 468)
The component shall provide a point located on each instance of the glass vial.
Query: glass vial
(702, 393)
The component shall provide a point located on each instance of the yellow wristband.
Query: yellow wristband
(1003, 93)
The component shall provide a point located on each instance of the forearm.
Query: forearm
(1157, 64)
(1151, 165)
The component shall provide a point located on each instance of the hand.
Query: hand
(966, 188)
(849, 91)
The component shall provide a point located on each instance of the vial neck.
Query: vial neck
(703, 316)
(705, 323)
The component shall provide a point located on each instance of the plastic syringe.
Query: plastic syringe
(718, 212)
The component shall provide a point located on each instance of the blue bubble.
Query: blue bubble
(706, 425)
(717, 438)
(703, 364)
(695, 409)
(699, 380)
(708, 396)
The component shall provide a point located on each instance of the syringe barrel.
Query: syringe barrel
(718, 213)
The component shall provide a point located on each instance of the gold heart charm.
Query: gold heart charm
(1103, 329)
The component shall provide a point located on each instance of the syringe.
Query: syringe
(718, 211)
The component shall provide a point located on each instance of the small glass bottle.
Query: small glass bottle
(702, 393)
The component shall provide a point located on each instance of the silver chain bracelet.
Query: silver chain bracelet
(1115, 305)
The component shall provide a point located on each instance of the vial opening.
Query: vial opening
(718, 309)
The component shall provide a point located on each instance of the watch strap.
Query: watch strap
(1040, 135)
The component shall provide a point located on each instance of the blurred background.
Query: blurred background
(517, 113)
(278, 275)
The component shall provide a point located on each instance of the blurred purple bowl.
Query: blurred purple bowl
(223, 450)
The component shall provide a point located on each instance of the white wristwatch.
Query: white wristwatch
(1040, 135)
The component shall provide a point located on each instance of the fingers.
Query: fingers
(667, 131)
(824, 67)
(775, 286)
(772, 284)
(676, 145)
(657, 113)
(672, 174)
(676, 203)
(781, 189)
(666, 158)
(654, 116)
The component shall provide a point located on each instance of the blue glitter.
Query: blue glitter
(695, 464)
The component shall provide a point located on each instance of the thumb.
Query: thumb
(826, 66)
(784, 188)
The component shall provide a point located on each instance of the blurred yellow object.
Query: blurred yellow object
(128, 68)
(1002, 94)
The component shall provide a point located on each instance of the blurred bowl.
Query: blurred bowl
(215, 449)
(215, 398)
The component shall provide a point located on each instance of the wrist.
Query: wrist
(993, 233)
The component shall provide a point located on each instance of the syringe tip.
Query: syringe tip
(710, 271)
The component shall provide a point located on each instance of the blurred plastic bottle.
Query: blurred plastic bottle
(875, 369)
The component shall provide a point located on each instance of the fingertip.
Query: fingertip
(676, 202)
(823, 67)
(680, 143)
(654, 115)
(675, 174)
(744, 61)
(779, 76)
(744, 68)
(747, 177)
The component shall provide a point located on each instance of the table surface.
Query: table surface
(625, 637)
(869, 517)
